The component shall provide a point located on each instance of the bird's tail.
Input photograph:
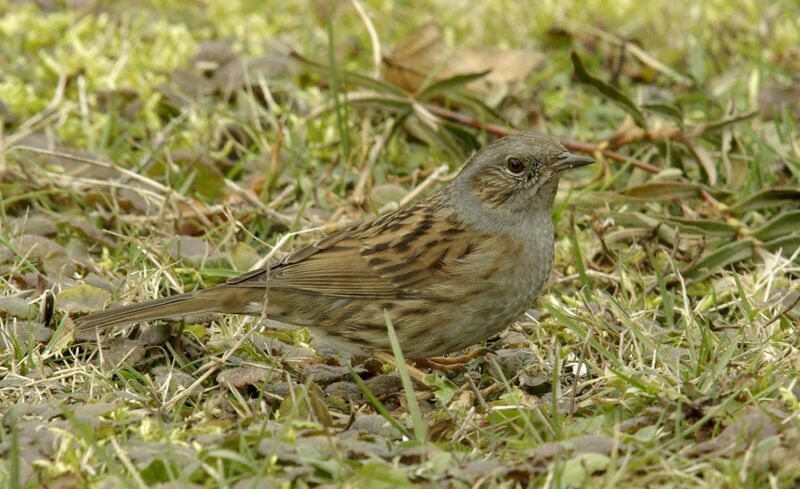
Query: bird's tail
(215, 299)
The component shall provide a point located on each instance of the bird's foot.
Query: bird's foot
(413, 371)
(455, 362)
(431, 364)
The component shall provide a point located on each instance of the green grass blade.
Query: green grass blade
(420, 430)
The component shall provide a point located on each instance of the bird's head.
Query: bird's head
(517, 175)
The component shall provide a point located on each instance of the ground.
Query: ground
(150, 148)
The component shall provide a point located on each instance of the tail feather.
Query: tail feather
(165, 307)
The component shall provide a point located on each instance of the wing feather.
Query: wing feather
(384, 259)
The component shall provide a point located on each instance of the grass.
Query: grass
(138, 160)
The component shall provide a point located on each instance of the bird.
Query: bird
(449, 271)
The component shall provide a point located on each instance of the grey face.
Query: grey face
(519, 173)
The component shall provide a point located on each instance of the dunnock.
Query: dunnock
(450, 270)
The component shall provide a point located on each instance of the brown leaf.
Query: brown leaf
(384, 386)
(240, 377)
(374, 424)
(749, 427)
(347, 391)
(415, 56)
(37, 224)
(507, 67)
(24, 332)
(90, 231)
(52, 257)
(773, 99)
(479, 470)
(174, 380)
(240, 74)
(325, 374)
(544, 453)
(193, 250)
(118, 351)
(211, 55)
(423, 56)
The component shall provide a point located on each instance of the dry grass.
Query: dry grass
(664, 352)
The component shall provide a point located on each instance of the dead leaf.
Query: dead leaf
(773, 99)
(18, 307)
(346, 391)
(506, 67)
(479, 469)
(240, 377)
(591, 444)
(154, 334)
(194, 251)
(208, 181)
(24, 332)
(325, 374)
(212, 55)
(53, 258)
(273, 346)
(66, 480)
(90, 231)
(357, 449)
(143, 453)
(82, 299)
(173, 380)
(37, 224)
(374, 424)
(510, 361)
(416, 56)
(749, 427)
(384, 386)
(544, 453)
(240, 74)
(118, 351)
(423, 57)
(91, 414)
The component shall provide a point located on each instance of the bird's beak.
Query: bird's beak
(568, 161)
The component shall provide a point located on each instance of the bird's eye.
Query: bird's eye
(515, 166)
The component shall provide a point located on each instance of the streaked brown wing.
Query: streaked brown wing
(419, 246)
(331, 266)
(386, 258)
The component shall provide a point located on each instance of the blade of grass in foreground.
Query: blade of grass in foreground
(420, 431)
(377, 404)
